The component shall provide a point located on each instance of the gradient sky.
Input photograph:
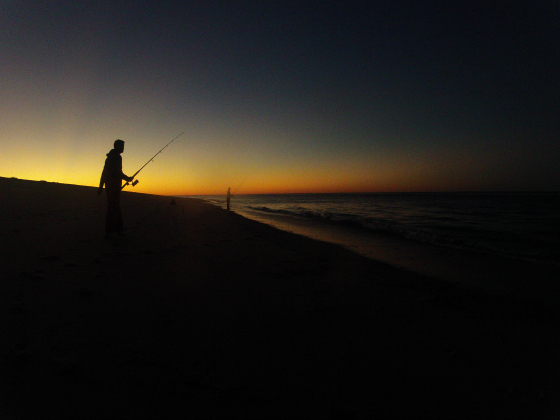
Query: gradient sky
(290, 96)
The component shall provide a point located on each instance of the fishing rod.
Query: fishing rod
(161, 150)
(233, 193)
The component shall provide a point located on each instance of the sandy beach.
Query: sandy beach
(200, 313)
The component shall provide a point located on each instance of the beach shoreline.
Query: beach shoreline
(199, 311)
(467, 268)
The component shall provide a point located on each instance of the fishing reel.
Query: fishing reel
(135, 182)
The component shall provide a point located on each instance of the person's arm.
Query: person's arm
(101, 183)
(117, 170)
(126, 178)
(114, 167)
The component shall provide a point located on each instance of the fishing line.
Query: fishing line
(151, 160)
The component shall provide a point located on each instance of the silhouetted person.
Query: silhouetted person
(228, 197)
(111, 178)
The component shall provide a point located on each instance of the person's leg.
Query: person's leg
(119, 221)
(113, 222)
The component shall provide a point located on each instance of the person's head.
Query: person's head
(119, 146)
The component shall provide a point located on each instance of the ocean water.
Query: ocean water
(516, 225)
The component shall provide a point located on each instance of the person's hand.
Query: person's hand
(130, 179)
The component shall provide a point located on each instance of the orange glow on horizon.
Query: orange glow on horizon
(195, 167)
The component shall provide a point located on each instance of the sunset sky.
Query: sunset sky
(290, 96)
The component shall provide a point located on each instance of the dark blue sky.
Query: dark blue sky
(347, 95)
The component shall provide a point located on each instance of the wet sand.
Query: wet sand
(494, 274)
(201, 313)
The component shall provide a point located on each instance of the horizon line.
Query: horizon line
(324, 193)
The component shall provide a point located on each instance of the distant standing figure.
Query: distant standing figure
(111, 178)
(228, 196)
